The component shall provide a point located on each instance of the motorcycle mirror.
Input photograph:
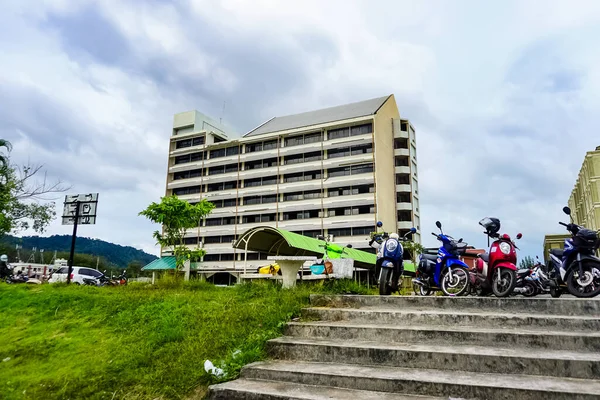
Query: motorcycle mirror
(349, 246)
(413, 230)
(567, 210)
(519, 235)
(438, 224)
(460, 240)
(379, 224)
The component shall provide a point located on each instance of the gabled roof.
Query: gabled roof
(331, 114)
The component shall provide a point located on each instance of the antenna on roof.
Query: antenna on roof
(222, 112)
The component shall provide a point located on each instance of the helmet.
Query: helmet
(4, 258)
(394, 236)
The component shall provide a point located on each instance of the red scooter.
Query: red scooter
(496, 270)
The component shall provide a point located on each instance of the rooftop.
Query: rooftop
(331, 114)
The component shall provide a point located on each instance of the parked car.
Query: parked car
(77, 275)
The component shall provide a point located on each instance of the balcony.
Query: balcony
(185, 166)
(405, 224)
(402, 170)
(346, 221)
(404, 206)
(218, 230)
(258, 155)
(403, 188)
(401, 152)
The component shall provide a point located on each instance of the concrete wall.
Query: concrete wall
(384, 167)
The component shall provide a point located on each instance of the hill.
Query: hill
(114, 254)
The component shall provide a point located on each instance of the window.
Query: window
(212, 239)
(403, 197)
(216, 170)
(217, 203)
(366, 189)
(404, 216)
(361, 129)
(62, 270)
(342, 152)
(180, 144)
(334, 172)
(229, 203)
(402, 179)
(340, 211)
(215, 187)
(312, 194)
(400, 143)
(313, 137)
(217, 153)
(227, 238)
(312, 234)
(251, 148)
(338, 133)
(229, 221)
(293, 177)
(186, 190)
(211, 257)
(301, 215)
(250, 200)
(294, 159)
(231, 168)
(230, 185)
(340, 232)
(253, 165)
(270, 162)
(362, 149)
(187, 174)
(363, 210)
(232, 151)
(85, 271)
(312, 175)
(190, 240)
(269, 180)
(363, 230)
(268, 218)
(227, 257)
(252, 182)
(403, 126)
(269, 199)
(270, 144)
(250, 219)
(197, 156)
(294, 140)
(361, 169)
(401, 161)
(214, 221)
(182, 159)
(292, 196)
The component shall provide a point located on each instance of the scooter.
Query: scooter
(20, 278)
(524, 285)
(497, 269)
(443, 271)
(390, 262)
(330, 251)
(577, 266)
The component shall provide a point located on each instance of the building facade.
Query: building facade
(335, 171)
(585, 197)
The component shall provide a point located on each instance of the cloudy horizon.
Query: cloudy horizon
(503, 95)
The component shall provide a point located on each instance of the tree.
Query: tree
(24, 202)
(414, 249)
(527, 262)
(177, 216)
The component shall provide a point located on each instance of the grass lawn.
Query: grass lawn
(138, 341)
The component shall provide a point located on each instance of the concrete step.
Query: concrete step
(497, 319)
(456, 357)
(426, 381)
(543, 305)
(250, 389)
(512, 337)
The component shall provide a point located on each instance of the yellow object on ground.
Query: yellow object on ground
(272, 269)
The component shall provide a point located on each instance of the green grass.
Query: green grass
(139, 341)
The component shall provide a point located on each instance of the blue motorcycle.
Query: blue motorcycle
(443, 271)
(577, 266)
(390, 262)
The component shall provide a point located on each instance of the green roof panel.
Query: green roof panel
(161, 264)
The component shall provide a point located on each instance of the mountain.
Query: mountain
(114, 254)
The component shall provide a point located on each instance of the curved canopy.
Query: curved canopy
(275, 241)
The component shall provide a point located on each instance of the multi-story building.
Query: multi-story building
(335, 171)
(585, 197)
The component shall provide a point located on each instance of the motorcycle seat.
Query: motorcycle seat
(484, 256)
(523, 271)
(557, 252)
(430, 257)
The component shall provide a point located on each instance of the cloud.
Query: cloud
(503, 95)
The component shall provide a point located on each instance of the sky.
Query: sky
(502, 94)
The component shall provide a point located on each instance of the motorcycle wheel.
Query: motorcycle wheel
(531, 289)
(421, 290)
(586, 286)
(504, 286)
(385, 276)
(555, 292)
(458, 284)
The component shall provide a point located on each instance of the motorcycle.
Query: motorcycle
(539, 278)
(20, 278)
(524, 284)
(390, 262)
(443, 271)
(577, 266)
(497, 269)
(102, 280)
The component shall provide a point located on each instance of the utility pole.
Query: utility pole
(73, 239)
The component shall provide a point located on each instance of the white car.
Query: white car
(77, 275)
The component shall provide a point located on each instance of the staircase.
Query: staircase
(419, 348)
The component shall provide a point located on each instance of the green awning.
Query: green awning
(161, 264)
(275, 241)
